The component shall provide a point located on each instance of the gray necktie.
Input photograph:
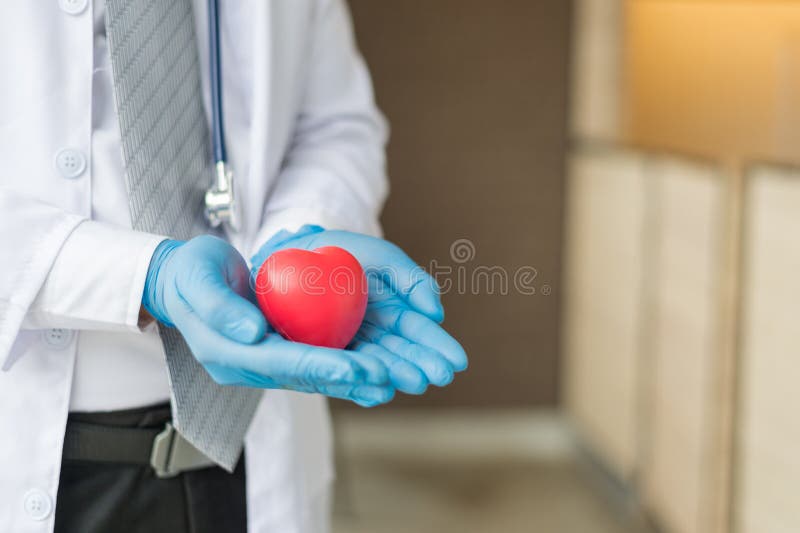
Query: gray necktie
(168, 165)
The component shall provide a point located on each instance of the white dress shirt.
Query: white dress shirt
(305, 142)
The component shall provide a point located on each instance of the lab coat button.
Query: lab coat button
(38, 504)
(73, 7)
(71, 163)
(57, 338)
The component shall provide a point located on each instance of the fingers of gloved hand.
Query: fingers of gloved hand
(275, 362)
(436, 368)
(364, 395)
(404, 375)
(291, 362)
(204, 287)
(417, 290)
(418, 329)
(373, 364)
(228, 375)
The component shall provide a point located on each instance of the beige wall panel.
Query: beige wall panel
(605, 216)
(768, 468)
(682, 348)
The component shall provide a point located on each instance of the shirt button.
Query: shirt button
(71, 163)
(73, 7)
(38, 504)
(57, 338)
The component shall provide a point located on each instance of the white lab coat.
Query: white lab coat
(306, 143)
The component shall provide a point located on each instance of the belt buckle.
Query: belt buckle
(172, 454)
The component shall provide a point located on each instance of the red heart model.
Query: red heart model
(315, 297)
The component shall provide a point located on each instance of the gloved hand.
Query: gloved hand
(201, 287)
(402, 324)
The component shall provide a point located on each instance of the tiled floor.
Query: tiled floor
(469, 473)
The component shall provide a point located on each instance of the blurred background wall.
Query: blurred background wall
(476, 93)
(714, 78)
(661, 395)
(682, 195)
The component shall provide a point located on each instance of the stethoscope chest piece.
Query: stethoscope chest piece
(220, 201)
(220, 204)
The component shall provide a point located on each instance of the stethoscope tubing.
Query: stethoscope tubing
(215, 75)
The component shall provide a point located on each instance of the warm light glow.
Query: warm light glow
(715, 78)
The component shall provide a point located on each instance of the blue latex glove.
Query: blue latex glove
(202, 288)
(404, 312)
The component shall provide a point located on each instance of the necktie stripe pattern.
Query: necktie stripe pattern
(159, 103)
(165, 144)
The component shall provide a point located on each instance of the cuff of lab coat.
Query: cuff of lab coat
(291, 219)
(97, 280)
(36, 266)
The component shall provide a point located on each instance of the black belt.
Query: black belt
(161, 447)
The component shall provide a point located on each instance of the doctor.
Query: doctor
(140, 389)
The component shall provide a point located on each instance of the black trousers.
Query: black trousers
(96, 497)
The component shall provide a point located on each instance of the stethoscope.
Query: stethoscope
(220, 205)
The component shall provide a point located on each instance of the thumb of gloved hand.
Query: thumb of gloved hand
(203, 279)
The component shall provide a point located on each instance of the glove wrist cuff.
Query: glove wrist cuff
(151, 299)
